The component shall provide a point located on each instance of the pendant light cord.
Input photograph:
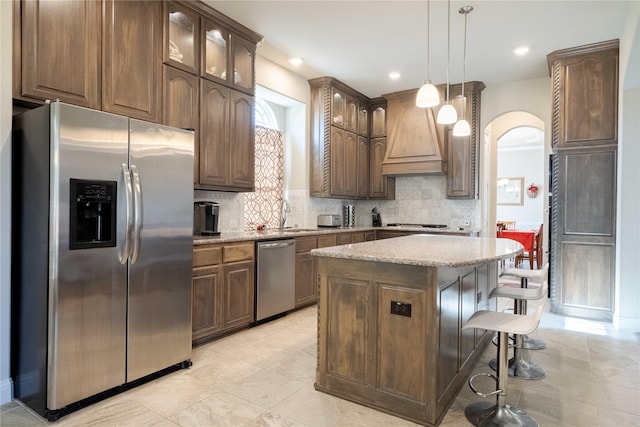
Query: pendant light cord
(448, 43)
(428, 46)
(464, 65)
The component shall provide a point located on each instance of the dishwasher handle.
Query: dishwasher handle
(274, 245)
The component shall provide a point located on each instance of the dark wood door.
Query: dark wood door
(362, 168)
(239, 292)
(461, 168)
(207, 304)
(305, 284)
(242, 141)
(132, 59)
(380, 186)
(338, 184)
(214, 134)
(348, 163)
(583, 233)
(181, 105)
(60, 56)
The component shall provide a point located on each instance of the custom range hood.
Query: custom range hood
(416, 143)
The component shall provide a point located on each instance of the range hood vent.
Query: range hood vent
(416, 143)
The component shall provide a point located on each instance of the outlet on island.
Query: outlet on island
(401, 308)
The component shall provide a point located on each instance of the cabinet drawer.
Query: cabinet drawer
(326, 241)
(207, 255)
(240, 252)
(305, 244)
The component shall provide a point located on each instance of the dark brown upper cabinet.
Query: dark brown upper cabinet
(585, 95)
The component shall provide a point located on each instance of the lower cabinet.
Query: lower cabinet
(223, 289)
(306, 289)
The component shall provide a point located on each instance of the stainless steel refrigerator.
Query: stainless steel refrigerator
(101, 254)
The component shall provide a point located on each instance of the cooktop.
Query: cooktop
(418, 225)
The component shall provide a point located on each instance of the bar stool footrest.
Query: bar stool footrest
(480, 393)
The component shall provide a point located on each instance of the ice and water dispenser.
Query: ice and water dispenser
(92, 214)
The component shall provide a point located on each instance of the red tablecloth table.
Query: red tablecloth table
(526, 238)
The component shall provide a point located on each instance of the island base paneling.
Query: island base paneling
(389, 335)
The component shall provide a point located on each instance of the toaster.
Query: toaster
(327, 220)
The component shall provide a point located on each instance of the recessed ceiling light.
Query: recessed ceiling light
(295, 61)
(394, 75)
(522, 50)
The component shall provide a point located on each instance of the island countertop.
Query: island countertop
(427, 250)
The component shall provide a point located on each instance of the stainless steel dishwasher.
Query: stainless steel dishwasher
(276, 278)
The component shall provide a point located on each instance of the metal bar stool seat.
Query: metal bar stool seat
(500, 414)
(518, 367)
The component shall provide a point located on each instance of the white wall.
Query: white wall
(628, 231)
(6, 10)
(529, 164)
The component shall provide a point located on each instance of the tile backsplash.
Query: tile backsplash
(419, 200)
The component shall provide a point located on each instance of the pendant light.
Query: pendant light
(447, 114)
(428, 95)
(462, 127)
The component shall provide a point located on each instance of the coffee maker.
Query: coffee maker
(205, 218)
(376, 221)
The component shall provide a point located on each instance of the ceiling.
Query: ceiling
(360, 42)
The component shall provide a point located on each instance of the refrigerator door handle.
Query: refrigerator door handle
(126, 250)
(137, 213)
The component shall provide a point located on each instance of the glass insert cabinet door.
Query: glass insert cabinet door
(181, 37)
(216, 41)
(363, 120)
(243, 62)
(337, 107)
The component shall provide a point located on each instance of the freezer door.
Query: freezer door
(160, 269)
(87, 286)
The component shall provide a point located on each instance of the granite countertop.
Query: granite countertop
(427, 250)
(237, 236)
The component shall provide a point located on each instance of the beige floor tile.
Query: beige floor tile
(15, 415)
(263, 377)
(612, 418)
(171, 394)
(113, 413)
(316, 409)
(269, 419)
(219, 409)
(265, 388)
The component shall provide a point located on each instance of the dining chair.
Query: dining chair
(536, 250)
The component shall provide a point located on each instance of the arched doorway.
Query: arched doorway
(503, 128)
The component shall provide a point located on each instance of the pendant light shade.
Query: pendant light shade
(428, 96)
(447, 114)
(462, 127)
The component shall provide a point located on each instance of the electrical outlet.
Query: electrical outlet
(401, 308)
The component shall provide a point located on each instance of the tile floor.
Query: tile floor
(264, 377)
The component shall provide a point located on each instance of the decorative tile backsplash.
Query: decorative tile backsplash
(419, 200)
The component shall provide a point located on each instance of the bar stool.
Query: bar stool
(500, 414)
(515, 276)
(518, 367)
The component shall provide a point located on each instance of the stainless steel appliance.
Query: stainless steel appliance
(102, 254)
(349, 216)
(275, 278)
(326, 220)
(205, 218)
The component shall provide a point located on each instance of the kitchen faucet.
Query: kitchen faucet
(283, 215)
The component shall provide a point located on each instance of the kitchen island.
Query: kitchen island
(390, 315)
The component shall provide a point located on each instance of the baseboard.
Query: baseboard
(628, 324)
(6, 391)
